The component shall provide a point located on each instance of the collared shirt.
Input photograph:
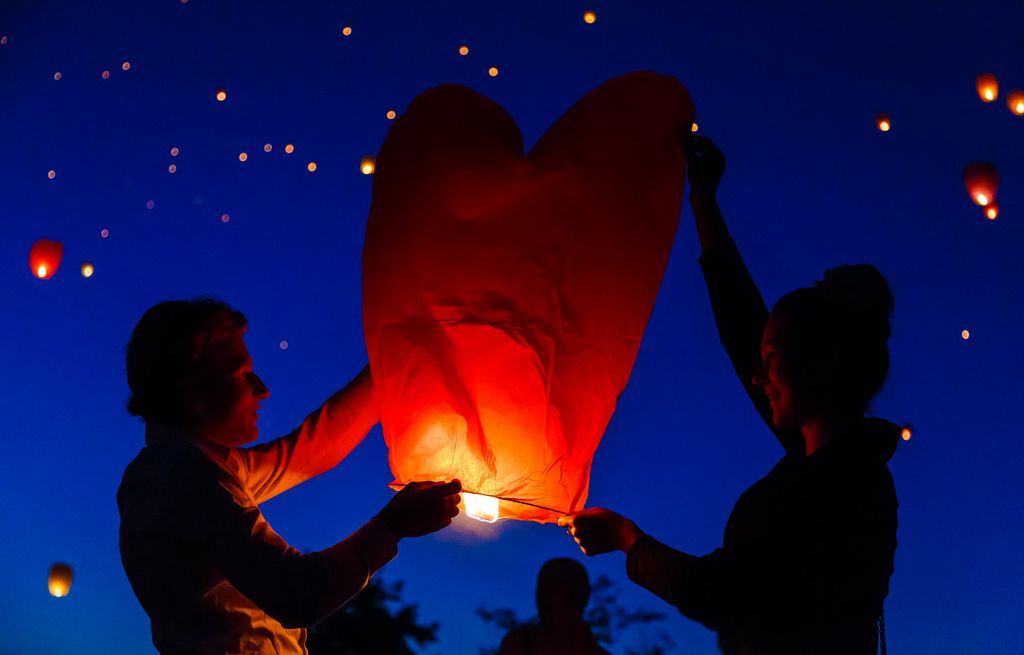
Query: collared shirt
(206, 566)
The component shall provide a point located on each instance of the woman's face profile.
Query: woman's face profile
(777, 374)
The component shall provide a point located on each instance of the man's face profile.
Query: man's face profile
(226, 393)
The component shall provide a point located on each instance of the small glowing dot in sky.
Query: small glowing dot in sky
(174, 151)
(884, 123)
(104, 233)
(906, 433)
(51, 174)
(242, 156)
(105, 75)
(589, 18)
(222, 95)
(694, 127)
(283, 345)
(3, 40)
(150, 204)
(965, 335)
(463, 50)
(289, 148)
(224, 218)
(267, 147)
(346, 31)
(57, 76)
(367, 165)
(172, 169)
(492, 71)
(311, 166)
(88, 269)
(991, 212)
(126, 66)
(391, 114)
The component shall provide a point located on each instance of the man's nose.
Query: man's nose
(260, 389)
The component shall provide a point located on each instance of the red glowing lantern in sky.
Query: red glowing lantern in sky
(981, 180)
(44, 258)
(1015, 101)
(60, 578)
(987, 86)
(506, 294)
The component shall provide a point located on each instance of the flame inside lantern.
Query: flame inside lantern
(481, 508)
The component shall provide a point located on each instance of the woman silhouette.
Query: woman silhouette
(808, 550)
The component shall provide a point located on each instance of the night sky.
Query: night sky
(789, 93)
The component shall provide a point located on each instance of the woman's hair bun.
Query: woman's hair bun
(860, 291)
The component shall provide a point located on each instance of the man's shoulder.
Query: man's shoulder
(163, 466)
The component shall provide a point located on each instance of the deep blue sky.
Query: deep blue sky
(789, 93)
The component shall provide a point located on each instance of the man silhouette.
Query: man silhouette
(206, 566)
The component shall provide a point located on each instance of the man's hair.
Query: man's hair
(562, 581)
(165, 345)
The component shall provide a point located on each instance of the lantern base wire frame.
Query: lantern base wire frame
(399, 485)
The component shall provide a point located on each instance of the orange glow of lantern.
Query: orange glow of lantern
(367, 165)
(267, 147)
(981, 180)
(126, 66)
(242, 156)
(589, 17)
(346, 31)
(1015, 101)
(694, 127)
(481, 508)
(51, 174)
(3, 40)
(883, 122)
(224, 218)
(104, 233)
(992, 211)
(463, 50)
(289, 149)
(57, 76)
(87, 269)
(172, 169)
(987, 86)
(60, 579)
(492, 71)
(44, 258)
(906, 433)
(391, 114)
(311, 167)
(174, 152)
(503, 326)
(105, 75)
(965, 335)
(222, 95)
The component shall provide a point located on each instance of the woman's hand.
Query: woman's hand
(705, 165)
(598, 530)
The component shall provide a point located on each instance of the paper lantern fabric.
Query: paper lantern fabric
(505, 294)
(44, 258)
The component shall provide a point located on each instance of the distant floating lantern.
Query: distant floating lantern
(988, 87)
(391, 114)
(311, 167)
(267, 147)
(906, 433)
(492, 71)
(283, 345)
(883, 122)
(346, 31)
(172, 169)
(981, 180)
(126, 66)
(480, 507)
(589, 17)
(463, 50)
(992, 211)
(367, 165)
(51, 174)
(242, 156)
(1015, 101)
(150, 204)
(105, 75)
(3, 40)
(88, 269)
(57, 76)
(60, 580)
(222, 95)
(44, 258)
(289, 149)
(694, 127)
(965, 335)
(174, 152)
(224, 218)
(104, 233)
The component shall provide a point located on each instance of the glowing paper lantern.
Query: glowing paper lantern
(311, 167)
(883, 122)
(463, 50)
(965, 335)
(242, 156)
(481, 508)
(589, 17)
(87, 269)
(992, 211)
(391, 114)
(267, 147)
(289, 149)
(906, 433)
(1015, 101)
(57, 76)
(347, 31)
(506, 294)
(981, 180)
(987, 86)
(51, 174)
(44, 258)
(492, 71)
(222, 95)
(126, 66)
(694, 127)
(367, 165)
(105, 75)
(60, 579)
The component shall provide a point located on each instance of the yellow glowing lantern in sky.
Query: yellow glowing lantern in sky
(88, 269)
(367, 165)
(883, 122)
(589, 17)
(60, 580)
(988, 87)
(51, 174)
(981, 180)
(289, 148)
(391, 114)
(906, 433)
(222, 95)
(1015, 101)
(965, 335)
(126, 66)
(346, 31)
(694, 127)
(463, 50)
(992, 211)
(481, 508)
(242, 156)
(311, 167)
(267, 147)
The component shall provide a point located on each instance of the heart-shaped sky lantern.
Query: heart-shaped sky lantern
(505, 295)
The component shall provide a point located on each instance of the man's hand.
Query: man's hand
(421, 508)
(705, 165)
(598, 530)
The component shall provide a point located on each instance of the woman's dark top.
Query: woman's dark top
(808, 550)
